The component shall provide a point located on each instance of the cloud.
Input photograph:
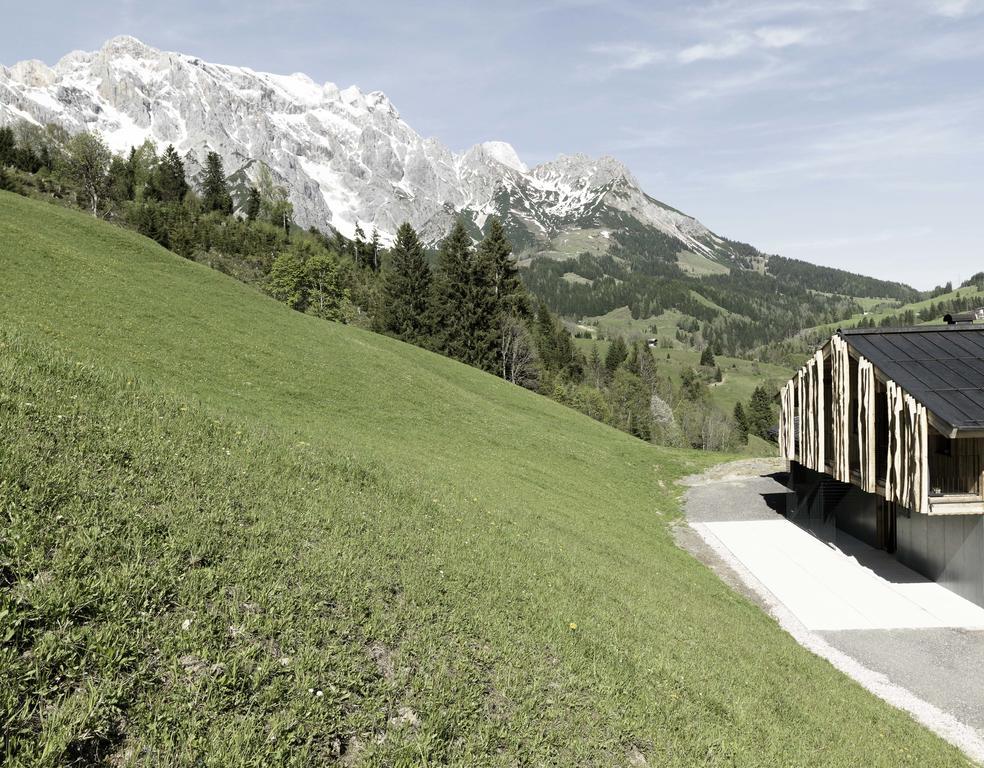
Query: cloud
(626, 56)
(881, 146)
(736, 44)
(739, 43)
(955, 9)
(781, 37)
(848, 241)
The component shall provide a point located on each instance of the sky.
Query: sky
(844, 132)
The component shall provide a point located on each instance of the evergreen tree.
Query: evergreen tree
(597, 372)
(462, 301)
(494, 255)
(215, 190)
(8, 146)
(707, 357)
(406, 289)
(760, 413)
(360, 246)
(616, 355)
(170, 184)
(373, 251)
(741, 422)
(340, 244)
(252, 204)
(692, 385)
(555, 347)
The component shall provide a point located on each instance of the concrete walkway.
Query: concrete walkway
(909, 640)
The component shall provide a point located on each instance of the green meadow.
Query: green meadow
(237, 535)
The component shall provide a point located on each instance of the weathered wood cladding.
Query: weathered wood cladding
(787, 422)
(840, 413)
(907, 478)
(956, 466)
(810, 411)
(866, 425)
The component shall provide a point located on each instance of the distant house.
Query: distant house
(884, 433)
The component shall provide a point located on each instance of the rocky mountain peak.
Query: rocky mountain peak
(347, 157)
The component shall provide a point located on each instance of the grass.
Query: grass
(215, 508)
(579, 241)
(695, 264)
(619, 322)
(876, 309)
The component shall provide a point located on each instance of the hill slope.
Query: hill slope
(237, 534)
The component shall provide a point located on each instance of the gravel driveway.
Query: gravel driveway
(936, 674)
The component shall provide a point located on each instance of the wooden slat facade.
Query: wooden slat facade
(839, 417)
(955, 466)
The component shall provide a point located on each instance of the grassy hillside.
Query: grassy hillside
(882, 310)
(238, 535)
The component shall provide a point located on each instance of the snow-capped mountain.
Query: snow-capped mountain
(346, 156)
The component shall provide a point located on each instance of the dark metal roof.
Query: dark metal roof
(942, 366)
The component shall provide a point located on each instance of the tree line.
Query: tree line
(467, 302)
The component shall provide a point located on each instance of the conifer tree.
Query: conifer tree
(494, 255)
(374, 250)
(760, 412)
(406, 289)
(555, 346)
(215, 190)
(360, 246)
(617, 352)
(252, 204)
(170, 184)
(8, 146)
(453, 295)
(596, 368)
(707, 357)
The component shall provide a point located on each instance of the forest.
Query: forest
(472, 305)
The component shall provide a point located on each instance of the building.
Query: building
(884, 433)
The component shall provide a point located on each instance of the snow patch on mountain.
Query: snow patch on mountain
(347, 158)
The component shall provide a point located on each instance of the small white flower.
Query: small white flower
(310, 690)
(284, 661)
(319, 694)
(186, 625)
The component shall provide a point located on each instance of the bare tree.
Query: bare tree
(517, 354)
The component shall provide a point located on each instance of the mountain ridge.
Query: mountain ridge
(347, 157)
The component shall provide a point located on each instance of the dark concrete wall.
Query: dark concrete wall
(946, 548)
(856, 516)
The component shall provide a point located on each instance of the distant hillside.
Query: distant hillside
(735, 309)
(236, 534)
